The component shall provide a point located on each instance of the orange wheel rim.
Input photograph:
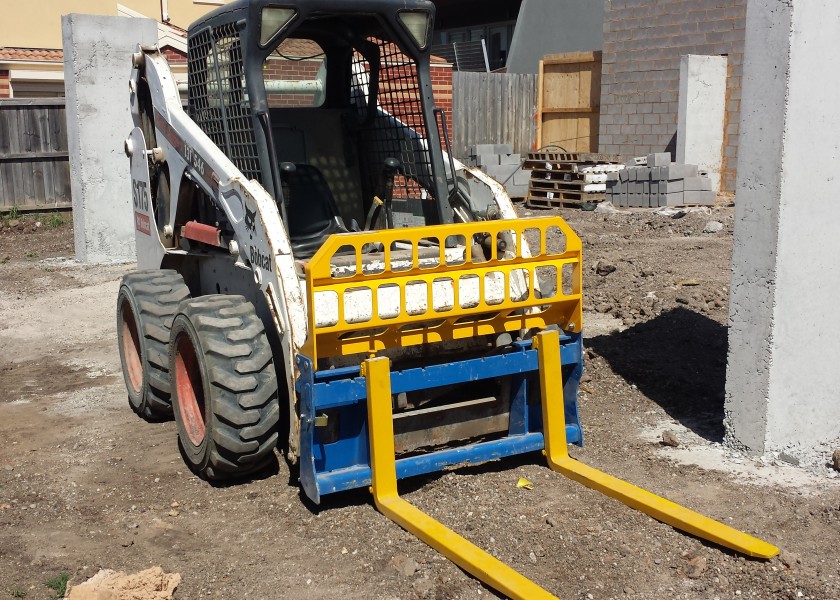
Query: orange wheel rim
(131, 348)
(189, 389)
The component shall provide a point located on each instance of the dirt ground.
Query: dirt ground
(85, 485)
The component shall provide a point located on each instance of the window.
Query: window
(295, 75)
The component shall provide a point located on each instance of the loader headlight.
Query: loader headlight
(418, 24)
(272, 20)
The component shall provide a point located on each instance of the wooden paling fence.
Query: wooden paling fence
(493, 108)
(34, 167)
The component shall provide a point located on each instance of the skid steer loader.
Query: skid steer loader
(314, 267)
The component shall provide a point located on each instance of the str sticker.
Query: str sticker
(140, 196)
(142, 224)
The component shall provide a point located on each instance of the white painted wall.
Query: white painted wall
(97, 65)
(701, 115)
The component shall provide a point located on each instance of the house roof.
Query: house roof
(168, 35)
(32, 54)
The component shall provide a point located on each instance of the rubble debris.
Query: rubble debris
(669, 438)
(151, 584)
(788, 559)
(405, 565)
(696, 566)
(791, 460)
(606, 207)
(604, 268)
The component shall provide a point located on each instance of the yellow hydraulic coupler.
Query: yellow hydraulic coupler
(462, 552)
(554, 430)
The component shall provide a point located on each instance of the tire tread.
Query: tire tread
(243, 384)
(157, 294)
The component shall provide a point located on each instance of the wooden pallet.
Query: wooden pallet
(573, 157)
(557, 184)
(538, 166)
(561, 199)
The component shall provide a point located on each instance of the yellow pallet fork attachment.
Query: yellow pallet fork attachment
(659, 508)
(465, 554)
(469, 557)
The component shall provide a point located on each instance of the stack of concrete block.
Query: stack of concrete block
(655, 181)
(500, 163)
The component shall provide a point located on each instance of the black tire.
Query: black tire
(146, 304)
(224, 391)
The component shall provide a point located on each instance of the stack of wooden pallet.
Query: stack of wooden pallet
(559, 178)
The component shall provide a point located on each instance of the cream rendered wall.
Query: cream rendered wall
(38, 24)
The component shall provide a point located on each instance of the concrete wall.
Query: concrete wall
(643, 43)
(97, 65)
(782, 375)
(702, 112)
(554, 26)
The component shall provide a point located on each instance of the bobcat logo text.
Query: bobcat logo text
(260, 259)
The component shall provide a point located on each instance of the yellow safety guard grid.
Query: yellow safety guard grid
(390, 327)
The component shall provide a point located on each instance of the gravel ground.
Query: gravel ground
(85, 485)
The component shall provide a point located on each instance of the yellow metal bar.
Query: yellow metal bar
(462, 552)
(554, 428)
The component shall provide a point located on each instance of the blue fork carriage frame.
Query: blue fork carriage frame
(344, 463)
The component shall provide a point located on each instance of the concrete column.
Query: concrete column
(97, 64)
(783, 377)
(702, 110)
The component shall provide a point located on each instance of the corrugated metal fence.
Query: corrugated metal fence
(34, 167)
(493, 108)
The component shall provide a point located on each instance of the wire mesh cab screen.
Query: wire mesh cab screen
(346, 124)
(218, 100)
(398, 129)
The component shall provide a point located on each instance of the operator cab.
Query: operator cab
(328, 104)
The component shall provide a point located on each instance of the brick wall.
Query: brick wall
(5, 88)
(643, 42)
(442, 91)
(174, 57)
(280, 69)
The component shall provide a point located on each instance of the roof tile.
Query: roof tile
(32, 54)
